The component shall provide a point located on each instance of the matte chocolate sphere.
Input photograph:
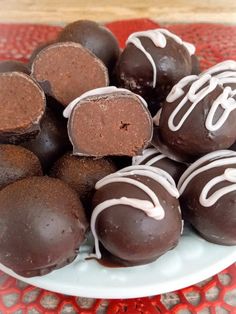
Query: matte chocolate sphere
(152, 63)
(52, 142)
(17, 163)
(13, 66)
(152, 157)
(131, 223)
(198, 117)
(42, 225)
(82, 173)
(208, 194)
(96, 38)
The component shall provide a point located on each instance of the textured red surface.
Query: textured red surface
(214, 43)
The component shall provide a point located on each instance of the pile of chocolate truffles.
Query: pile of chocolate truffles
(127, 162)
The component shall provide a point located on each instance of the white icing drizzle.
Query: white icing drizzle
(215, 159)
(152, 208)
(156, 156)
(228, 175)
(97, 92)
(202, 86)
(158, 37)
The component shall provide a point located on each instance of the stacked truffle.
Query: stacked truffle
(68, 123)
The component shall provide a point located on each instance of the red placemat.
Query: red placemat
(218, 294)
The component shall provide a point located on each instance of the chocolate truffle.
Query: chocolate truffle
(67, 70)
(42, 225)
(52, 141)
(108, 121)
(152, 63)
(198, 117)
(13, 66)
(96, 38)
(82, 173)
(208, 194)
(17, 163)
(22, 107)
(136, 215)
(152, 157)
(37, 50)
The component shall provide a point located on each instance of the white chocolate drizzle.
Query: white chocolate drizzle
(148, 152)
(210, 161)
(158, 37)
(151, 207)
(98, 92)
(200, 87)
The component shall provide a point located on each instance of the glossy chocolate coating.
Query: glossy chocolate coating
(128, 233)
(81, 174)
(175, 169)
(52, 142)
(134, 71)
(13, 66)
(22, 107)
(17, 163)
(66, 70)
(217, 222)
(42, 225)
(96, 38)
(193, 139)
(115, 124)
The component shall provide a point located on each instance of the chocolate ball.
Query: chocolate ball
(52, 141)
(208, 194)
(66, 70)
(136, 215)
(42, 225)
(37, 50)
(152, 157)
(152, 63)
(22, 107)
(17, 163)
(81, 174)
(108, 121)
(198, 117)
(13, 66)
(96, 38)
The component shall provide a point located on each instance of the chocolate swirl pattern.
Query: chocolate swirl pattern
(216, 159)
(158, 37)
(151, 207)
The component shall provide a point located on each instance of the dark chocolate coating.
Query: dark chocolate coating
(115, 124)
(128, 233)
(96, 38)
(17, 163)
(174, 168)
(81, 174)
(52, 141)
(135, 72)
(22, 107)
(217, 222)
(42, 225)
(193, 139)
(66, 70)
(13, 66)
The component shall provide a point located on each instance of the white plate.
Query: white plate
(193, 260)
